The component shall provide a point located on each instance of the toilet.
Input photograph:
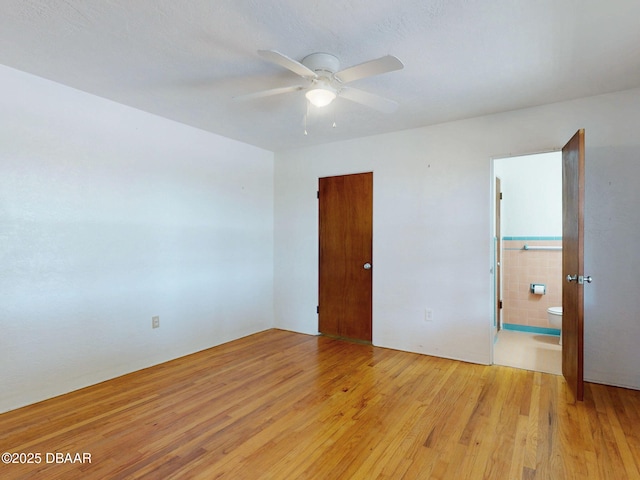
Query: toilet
(554, 314)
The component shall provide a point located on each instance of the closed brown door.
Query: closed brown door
(573, 263)
(346, 263)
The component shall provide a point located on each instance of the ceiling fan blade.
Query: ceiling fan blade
(367, 99)
(288, 63)
(380, 65)
(268, 93)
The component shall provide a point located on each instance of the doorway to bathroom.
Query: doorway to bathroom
(528, 261)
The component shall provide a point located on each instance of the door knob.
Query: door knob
(581, 279)
(367, 266)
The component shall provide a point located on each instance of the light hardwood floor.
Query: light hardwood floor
(281, 405)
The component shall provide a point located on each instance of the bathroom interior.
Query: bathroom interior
(530, 231)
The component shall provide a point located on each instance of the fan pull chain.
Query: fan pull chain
(305, 119)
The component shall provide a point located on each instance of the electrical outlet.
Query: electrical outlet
(155, 322)
(428, 315)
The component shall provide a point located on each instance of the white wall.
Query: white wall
(432, 232)
(532, 195)
(612, 228)
(108, 216)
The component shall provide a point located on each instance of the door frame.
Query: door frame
(492, 227)
(497, 283)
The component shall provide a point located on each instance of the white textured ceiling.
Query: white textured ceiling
(187, 59)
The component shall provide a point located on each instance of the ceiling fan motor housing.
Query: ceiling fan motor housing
(324, 64)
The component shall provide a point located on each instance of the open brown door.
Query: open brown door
(345, 268)
(573, 263)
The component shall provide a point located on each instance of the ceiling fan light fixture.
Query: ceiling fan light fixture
(321, 96)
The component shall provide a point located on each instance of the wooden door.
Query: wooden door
(498, 269)
(573, 263)
(345, 268)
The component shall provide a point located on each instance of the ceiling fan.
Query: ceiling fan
(325, 81)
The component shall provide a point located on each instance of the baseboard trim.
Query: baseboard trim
(530, 329)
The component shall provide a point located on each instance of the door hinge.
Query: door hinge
(317, 308)
(318, 194)
(500, 304)
(500, 195)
